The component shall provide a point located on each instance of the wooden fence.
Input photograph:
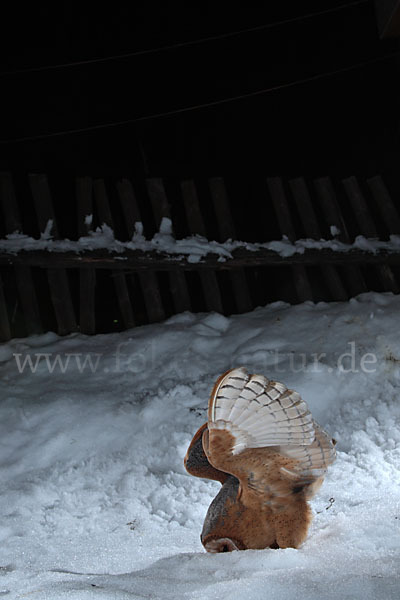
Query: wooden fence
(95, 291)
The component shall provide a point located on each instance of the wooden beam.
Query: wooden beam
(333, 217)
(121, 287)
(147, 279)
(385, 204)
(279, 200)
(161, 208)
(209, 282)
(129, 205)
(5, 331)
(28, 299)
(124, 301)
(84, 201)
(9, 203)
(388, 18)
(137, 260)
(368, 229)
(43, 203)
(226, 228)
(58, 280)
(360, 208)
(87, 288)
(311, 227)
(23, 275)
(330, 207)
(87, 277)
(61, 299)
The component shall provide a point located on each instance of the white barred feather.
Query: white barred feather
(259, 413)
(313, 459)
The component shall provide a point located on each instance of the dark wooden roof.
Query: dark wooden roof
(388, 17)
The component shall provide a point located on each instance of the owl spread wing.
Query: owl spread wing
(260, 427)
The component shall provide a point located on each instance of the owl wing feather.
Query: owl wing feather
(249, 412)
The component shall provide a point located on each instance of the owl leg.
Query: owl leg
(196, 461)
(291, 523)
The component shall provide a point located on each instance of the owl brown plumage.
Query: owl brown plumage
(262, 444)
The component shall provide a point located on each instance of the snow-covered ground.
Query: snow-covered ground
(94, 498)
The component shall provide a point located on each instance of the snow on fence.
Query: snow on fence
(48, 281)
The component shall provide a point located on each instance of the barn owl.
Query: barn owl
(262, 444)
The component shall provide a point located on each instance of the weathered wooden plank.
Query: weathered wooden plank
(9, 203)
(226, 228)
(121, 288)
(124, 300)
(367, 228)
(28, 298)
(87, 277)
(241, 291)
(334, 283)
(43, 203)
(23, 274)
(129, 205)
(360, 208)
(102, 204)
(388, 18)
(212, 293)
(225, 223)
(312, 229)
(301, 283)
(5, 330)
(330, 207)
(385, 204)
(305, 208)
(279, 200)
(62, 301)
(281, 206)
(179, 290)
(57, 277)
(152, 296)
(87, 289)
(161, 209)
(84, 200)
(158, 198)
(147, 279)
(191, 204)
(209, 283)
(389, 279)
(333, 216)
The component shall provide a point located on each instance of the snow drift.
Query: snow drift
(95, 501)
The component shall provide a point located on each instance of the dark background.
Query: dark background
(340, 124)
(301, 88)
